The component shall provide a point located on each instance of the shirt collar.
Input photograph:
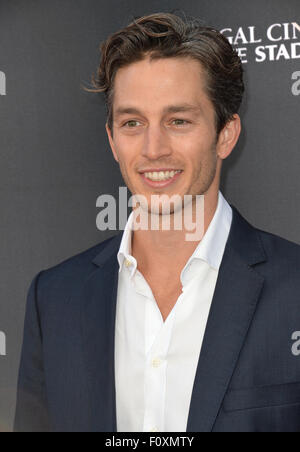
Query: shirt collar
(210, 249)
(125, 246)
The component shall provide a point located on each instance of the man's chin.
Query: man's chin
(164, 208)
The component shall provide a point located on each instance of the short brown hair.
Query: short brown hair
(166, 35)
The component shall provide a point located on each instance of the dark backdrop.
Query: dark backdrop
(55, 156)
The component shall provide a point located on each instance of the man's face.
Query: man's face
(153, 137)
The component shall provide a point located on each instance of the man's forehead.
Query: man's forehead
(136, 95)
(170, 72)
(170, 108)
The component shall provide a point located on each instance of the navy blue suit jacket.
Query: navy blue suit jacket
(248, 374)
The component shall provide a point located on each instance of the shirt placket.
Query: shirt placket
(157, 342)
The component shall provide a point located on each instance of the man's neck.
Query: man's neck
(159, 251)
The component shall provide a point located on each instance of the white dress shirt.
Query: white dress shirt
(156, 361)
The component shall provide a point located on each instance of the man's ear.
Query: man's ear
(228, 137)
(111, 142)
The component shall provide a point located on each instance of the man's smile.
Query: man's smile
(160, 179)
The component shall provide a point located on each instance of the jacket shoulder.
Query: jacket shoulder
(280, 248)
(71, 272)
(281, 271)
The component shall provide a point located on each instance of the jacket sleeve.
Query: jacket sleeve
(31, 409)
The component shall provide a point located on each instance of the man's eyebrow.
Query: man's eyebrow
(169, 109)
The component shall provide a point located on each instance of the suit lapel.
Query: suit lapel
(98, 330)
(234, 303)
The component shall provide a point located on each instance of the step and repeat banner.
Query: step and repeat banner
(55, 156)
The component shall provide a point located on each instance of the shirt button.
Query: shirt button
(127, 263)
(154, 429)
(156, 362)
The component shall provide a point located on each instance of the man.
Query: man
(148, 331)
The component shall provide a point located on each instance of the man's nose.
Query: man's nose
(156, 144)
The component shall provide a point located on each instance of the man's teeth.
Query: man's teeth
(159, 176)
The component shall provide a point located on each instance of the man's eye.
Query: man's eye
(130, 122)
(181, 120)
